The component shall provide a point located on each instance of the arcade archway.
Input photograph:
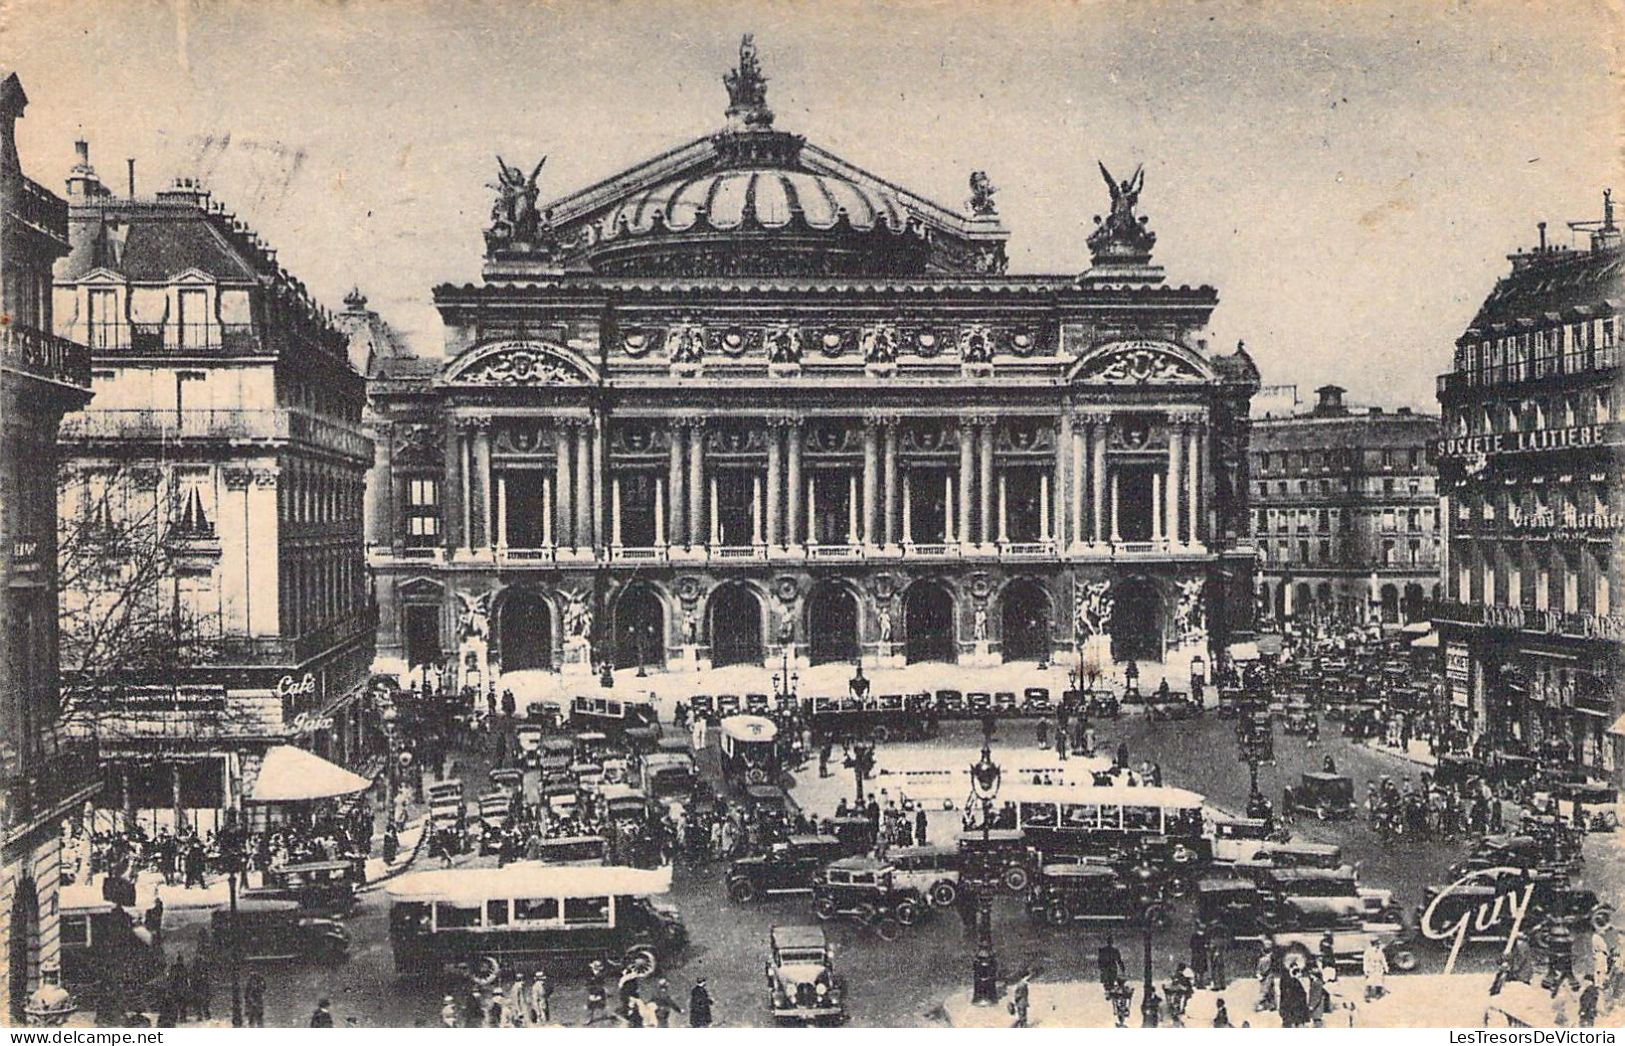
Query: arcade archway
(639, 628)
(1137, 621)
(1024, 617)
(1390, 604)
(928, 623)
(525, 629)
(736, 626)
(832, 624)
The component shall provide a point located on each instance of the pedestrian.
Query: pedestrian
(448, 1012)
(1221, 1015)
(664, 1004)
(1121, 763)
(1110, 962)
(1588, 1002)
(180, 988)
(1020, 1000)
(496, 1014)
(699, 1005)
(595, 1000)
(154, 921)
(1265, 970)
(540, 1003)
(1374, 964)
(517, 1003)
(323, 1015)
(254, 1000)
(920, 825)
(1216, 967)
(201, 990)
(1151, 1008)
(1122, 997)
(1293, 1000)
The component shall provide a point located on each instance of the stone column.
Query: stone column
(480, 509)
(812, 508)
(891, 482)
(1116, 534)
(794, 533)
(984, 479)
(615, 511)
(871, 481)
(1193, 488)
(564, 529)
(1044, 532)
(595, 479)
(583, 485)
(775, 492)
(381, 506)
(500, 535)
(451, 498)
(264, 575)
(852, 535)
(1099, 435)
(660, 512)
(1057, 530)
(1004, 512)
(1080, 479)
(1156, 506)
(547, 511)
(711, 512)
(676, 519)
(756, 537)
(967, 450)
(696, 481)
(1176, 463)
(950, 523)
(908, 509)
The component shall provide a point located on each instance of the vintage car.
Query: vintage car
(106, 950)
(979, 703)
(528, 739)
(447, 811)
(624, 804)
(702, 706)
(1303, 923)
(1595, 803)
(932, 870)
(494, 810)
(729, 704)
(556, 755)
(1230, 904)
(864, 889)
(1035, 700)
(275, 931)
(801, 984)
(1006, 849)
(757, 704)
(509, 778)
(1085, 892)
(316, 886)
(1516, 851)
(549, 715)
(1380, 910)
(485, 922)
(1327, 796)
(1554, 896)
(1004, 703)
(950, 703)
(786, 867)
(1238, 838)
(1299, 855)
(857, 834)
(1172, 704)
(1101, 704)
(667, 775)
(1297, 718)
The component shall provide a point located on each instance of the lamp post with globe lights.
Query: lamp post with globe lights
(984, 776)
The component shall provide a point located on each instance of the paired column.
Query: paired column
(1099, 432)
(595, 482)
(775, 485)
(583, 485)
(1176, 464)
(451, 499)
(871, 479)
(696, 480)
(480, 514)
(890, 471)
(985, 479)
(563, 485)
(1080, 479)
(1193, 486)
(676, 519)
(967, 453)
(1058, 509)
(794, 534)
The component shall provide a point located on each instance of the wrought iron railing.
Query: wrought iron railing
(42, 355)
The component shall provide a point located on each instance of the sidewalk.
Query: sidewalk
(1417, 753)
(410, 839)
(1417, 1001)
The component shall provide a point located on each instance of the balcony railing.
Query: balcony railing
(37, 789)
(232, 339)
(42, 355)
(1541, 368)
(1572, 624)
(225, 424)
(35, 205)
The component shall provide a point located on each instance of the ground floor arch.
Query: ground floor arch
(525, 630)
(735, 626)
(1137, 623)
(1414, 603)
(928, 623)
(1390, 604)
(832, 623)
(639, 627)
(1024, 618)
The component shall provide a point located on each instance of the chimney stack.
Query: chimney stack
(1331, 401)
(83, 183)
(131, 162)
(1542, 227)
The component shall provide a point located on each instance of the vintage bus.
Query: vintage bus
(1073, 818)
(493, 922)
(750, 752)
(613, 715)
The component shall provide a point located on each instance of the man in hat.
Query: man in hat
(517, 1003)
(1374, 964)
(1021, 1000)
(448, 1012)
(699, 1005)
(664, 1004)
(540, 1003)
(323, 1015)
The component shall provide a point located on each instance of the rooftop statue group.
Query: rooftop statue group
(515, 219)
(1123, 233)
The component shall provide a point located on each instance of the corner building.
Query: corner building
(746, 399)
(1529, 475)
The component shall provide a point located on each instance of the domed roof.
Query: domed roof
(767, 198)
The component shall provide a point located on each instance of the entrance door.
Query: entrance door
(832, 625)
(928, 623)
(422, 634)
(1136, 621)
(526, 632)
(1025, 619)
(640, 629)
(736, 627)
(1134, 503)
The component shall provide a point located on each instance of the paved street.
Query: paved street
(729, 941)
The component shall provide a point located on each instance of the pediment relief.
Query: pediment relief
(517, 364)
(1141, 362)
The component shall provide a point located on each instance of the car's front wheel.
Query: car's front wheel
(824, 907)
(1016, 879)
(742, 891)
(944, 893)
(487, 969)
(1057, 915)
(907, 912)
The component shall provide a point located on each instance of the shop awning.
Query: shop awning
(292, 775)
(1426, 642)
(1618, 729)
(1243, 652)
(1417, 628)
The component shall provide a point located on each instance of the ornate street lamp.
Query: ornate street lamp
(984, 778)
(1257, 746)
(785, 680)
(860, 759)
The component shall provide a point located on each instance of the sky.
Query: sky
(1349, 176)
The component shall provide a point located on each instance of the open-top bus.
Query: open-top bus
(490, 921)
